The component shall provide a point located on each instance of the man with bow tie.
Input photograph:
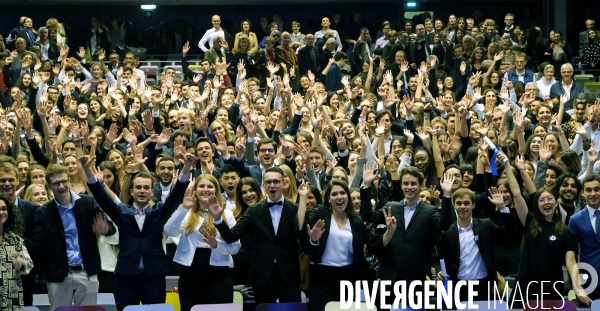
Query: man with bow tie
(273, 224)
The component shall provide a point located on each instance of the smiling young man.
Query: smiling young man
(64, 241)
(273, 224)
(586, 227)
(164, 172)
(472, 258)
(142, 262)
(8, 186)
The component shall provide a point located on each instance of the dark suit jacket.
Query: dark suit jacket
(485, 231)
(53, 50)
(48, 242)
(417, 52)
(157, 197)
(408, 255)
(305, 62)
(438, 50)
(114, 69)
(135, 243)
(268, 247)
(390, 50)
(28, 210)
(316, 252)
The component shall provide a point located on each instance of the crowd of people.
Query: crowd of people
(290, 162)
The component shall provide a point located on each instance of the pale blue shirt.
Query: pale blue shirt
(70, 226)
(408, 212)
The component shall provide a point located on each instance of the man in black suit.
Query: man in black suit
(10, 182)
(164, 174)
(48, 49)
(403, 253)
(402, 44)
(308, 56)
(467, 243)
(142, 262)
(419, 48)
(273, 224)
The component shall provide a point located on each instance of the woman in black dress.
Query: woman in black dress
(547, 244)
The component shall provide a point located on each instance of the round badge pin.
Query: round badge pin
(552, 237)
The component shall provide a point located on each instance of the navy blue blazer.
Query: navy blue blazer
(135, 243)
(589, 243)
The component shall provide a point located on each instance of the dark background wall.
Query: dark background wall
(198, 17)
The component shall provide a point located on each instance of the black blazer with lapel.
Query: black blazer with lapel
(48, 243)
(486, 232)
(268, 247)
(135, 243)
(316, 252)
(408, 255)
(305, 62)
(28, 210)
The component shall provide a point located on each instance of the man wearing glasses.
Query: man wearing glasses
(275, 270)
(64, 241)
(568, 86)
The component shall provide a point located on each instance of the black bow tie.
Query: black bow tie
(271, 204)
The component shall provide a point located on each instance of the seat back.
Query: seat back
(596, 305)
(238, 299)
(80, 308)
(31, 309)
(173, 299)
(290, 306)
(565, 305)
(152, 307)
(217, 307)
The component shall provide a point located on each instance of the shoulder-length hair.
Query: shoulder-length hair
(430, 172)
(338, 182)
(14, 221)
(240, 205)
(538, 218)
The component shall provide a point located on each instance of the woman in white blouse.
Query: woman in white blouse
(206, 276)
(545, 83)
(333, 235)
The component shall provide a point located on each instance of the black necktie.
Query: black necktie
(271, 204)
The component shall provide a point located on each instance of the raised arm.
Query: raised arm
(515, 188)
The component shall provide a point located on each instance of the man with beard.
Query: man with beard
(586, 228)
(164, 174)
(568, 188)
(230, 177)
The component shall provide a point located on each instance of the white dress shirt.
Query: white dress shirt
(207, 36)
(338, 250)
(471, 266)
(591, 212)
(186, 248)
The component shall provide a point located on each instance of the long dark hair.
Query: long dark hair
(338, 182)
(538, 218)
(240, 205)
(116, 185)
(14, 221)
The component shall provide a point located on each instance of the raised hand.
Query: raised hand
(317, 230)
(496, 197)
(213, 207)
(592, 154)
(390, 221)
(369, 174)
(304, 189)
(100, 226)
(189, 199)
(545, 152)
(447, 183)
(163, 138)
(221, 145)
(208, 237)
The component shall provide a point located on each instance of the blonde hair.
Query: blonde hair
(292, 193)
(31, 189)
(194, 218)
(53, 23)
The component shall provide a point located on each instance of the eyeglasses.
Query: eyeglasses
(59, 182)
(7, 180)
(274, 182)
(3, 209)
(544, 200)
(265, 150)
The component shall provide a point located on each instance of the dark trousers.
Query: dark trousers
(276, 287)
(201, 283)
(106, 282)
(140, 287)
(325, 284)
(28, 282)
